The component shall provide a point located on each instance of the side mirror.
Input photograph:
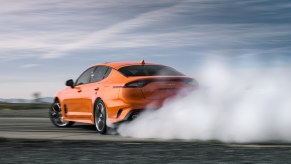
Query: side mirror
(70, 83)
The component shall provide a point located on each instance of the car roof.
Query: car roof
(118, 65)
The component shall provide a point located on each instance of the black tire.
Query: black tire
(56, 117)
(100, 117)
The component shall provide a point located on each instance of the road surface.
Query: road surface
(29, 137)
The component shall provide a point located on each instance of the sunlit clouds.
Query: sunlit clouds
(63, 37)
(57, 28)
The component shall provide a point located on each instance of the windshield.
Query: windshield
(149, 70)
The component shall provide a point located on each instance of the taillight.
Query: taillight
(142, 83)
(136, 84)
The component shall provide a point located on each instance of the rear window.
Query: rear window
(149, 70)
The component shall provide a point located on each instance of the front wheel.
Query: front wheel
(55, 115)
(100, 117)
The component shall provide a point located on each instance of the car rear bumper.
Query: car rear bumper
(121, 111)
(132, 115)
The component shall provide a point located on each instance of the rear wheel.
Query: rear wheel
(100, 117)
(55, 114)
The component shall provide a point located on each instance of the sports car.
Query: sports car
(111, 93)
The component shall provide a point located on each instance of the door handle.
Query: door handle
(96, 89)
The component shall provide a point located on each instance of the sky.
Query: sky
(44, 43)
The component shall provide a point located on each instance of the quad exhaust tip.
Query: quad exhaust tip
(134, 116)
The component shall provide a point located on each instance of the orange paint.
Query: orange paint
(120, 93)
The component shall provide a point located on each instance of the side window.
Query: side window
(85, 76)
(107, 72)
(100, 73)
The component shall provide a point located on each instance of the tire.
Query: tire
(56, 117)
(100, 117)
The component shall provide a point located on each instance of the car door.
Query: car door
(74, 99)
(92, 90)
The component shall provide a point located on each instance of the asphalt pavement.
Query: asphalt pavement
(19, 124)
(29, 137)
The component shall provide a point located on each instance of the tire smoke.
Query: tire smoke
(231, 105)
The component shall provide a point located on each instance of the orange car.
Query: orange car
(111, 93)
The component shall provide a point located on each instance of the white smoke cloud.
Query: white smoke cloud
(231, 105)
